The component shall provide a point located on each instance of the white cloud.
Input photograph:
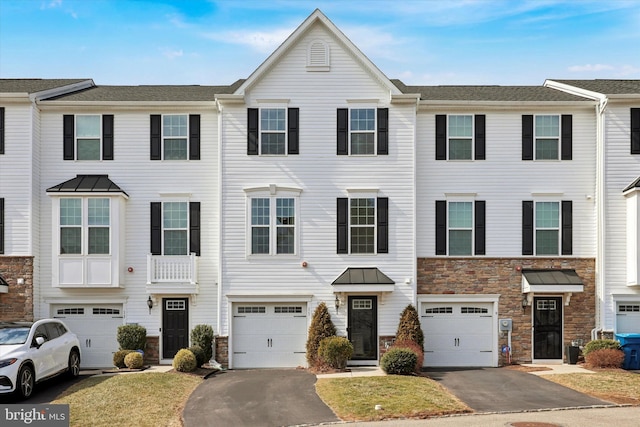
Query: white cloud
(590, 68)
(52, 4)
(262, 41)
(172, 54)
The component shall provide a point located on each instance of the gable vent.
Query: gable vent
(318, 56)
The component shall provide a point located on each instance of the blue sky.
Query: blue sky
(422, 42)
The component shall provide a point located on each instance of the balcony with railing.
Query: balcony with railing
(172, 273)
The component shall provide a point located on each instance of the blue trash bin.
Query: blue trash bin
(631, 346)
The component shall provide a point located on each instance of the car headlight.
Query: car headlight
(7, 362)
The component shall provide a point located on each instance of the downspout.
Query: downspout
(600, 214)
(220, 213)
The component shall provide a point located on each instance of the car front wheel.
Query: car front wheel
(25, 382)
(74, 364)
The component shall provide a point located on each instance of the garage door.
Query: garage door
(628, 318)
(458, 334)
(269, 335)
(96, 326)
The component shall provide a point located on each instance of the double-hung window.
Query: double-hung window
(547, 137)
(363, 131)
(547, 227)
(85, 226)
(363, 225)
(272, 131)
(88, 137)
(175, 137)
(273, 225)
(460, 137)
(175, 228)
(460, 228)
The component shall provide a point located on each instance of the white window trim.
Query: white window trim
(162, 228)
(473, 225)
(363, 105)
(163, 137)
(471, 138)
(272, 192)
(365, 195)
(75, 137)
(535, 228)
(84, 226)
(274, 104)
(535, 137)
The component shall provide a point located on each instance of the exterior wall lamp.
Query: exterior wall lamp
(337, 303)
(150, 303)
(525, 302)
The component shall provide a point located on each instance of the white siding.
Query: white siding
(504, 180)
(322, 176)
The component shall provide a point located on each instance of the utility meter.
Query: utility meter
(505, 325)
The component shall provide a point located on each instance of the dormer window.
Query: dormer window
(318, 56)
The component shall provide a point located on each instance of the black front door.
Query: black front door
(175, 326)
(363, 327)
(547, 327)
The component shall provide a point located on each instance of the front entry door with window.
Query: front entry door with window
(547, 327)
(363, 327)
(175, 326)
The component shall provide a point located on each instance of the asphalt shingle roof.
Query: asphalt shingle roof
(488, 93)
(34, 85)
(606, 87)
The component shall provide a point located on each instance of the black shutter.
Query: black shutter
(293, 136)
(1, 226)
(194, 227)
(480, 228)
(383, 225)
(194, 136)
(635, 131)
(441, 137)
(1, 130)
(68, 134)
(567, 227)
(566, 137)
(441, 227)
(107, 137)
(527, 137)
(480, 139)
(156, 137)
(343, 131)
(383, 131)
(156, 228)
(252, 131)
(527, 227)
(343, 225)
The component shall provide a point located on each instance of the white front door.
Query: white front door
(458, 333)
(269, 335)
(96, 326)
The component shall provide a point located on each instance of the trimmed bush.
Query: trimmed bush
(184, 361)
(399, 361)
(605, 358)
(409, 327)
(600, 345)
(202, 336)
(321, 327)
(335, 351)
(413, 346)
(133, 360)
(198, 352)
(132, 337)
(118, 358)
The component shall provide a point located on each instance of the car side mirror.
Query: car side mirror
(39, 341)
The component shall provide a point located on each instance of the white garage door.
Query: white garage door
(96, 326)
(628, 318)
(269, 335)
(458, 334)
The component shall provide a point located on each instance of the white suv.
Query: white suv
(34, 351)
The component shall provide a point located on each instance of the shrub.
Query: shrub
(132, 337)
(605, 358)
(413, 346)
(133, 360)
(184, 361)
(399, 361)
(202, 336)
(321, 327)
(600, 345)
(409, 327)
(118, 358)
(335, 351)
(198, 352)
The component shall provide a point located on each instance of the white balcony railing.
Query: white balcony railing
(172, 269)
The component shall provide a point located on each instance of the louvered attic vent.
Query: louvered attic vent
(318, 56)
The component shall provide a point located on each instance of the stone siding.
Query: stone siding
(152, 352)
(17, 304)
(503, 276)
(222, 351)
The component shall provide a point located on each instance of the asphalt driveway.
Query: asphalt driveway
(506, 390)
(257, 397)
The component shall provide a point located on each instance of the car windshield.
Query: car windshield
(14, 335)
